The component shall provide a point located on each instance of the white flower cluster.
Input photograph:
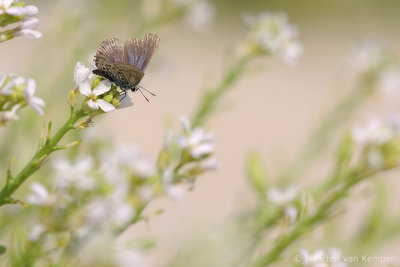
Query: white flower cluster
(273, 34)
(378, 141)
(102, 187)
(15, 11)
(97, 95)
(15, 93)
(200, 14)
(372, 57)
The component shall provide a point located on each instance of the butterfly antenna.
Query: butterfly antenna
(140, 90)
(153, 94)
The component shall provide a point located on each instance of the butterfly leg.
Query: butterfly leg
(124, 95)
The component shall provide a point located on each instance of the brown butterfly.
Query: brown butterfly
(124, 64)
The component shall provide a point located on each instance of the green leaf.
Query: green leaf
(256, 174)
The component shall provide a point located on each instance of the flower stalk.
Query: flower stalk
(44, 150)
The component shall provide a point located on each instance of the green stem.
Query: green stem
(34, 164)
(319, 138)
(305, 225)
(211, 98)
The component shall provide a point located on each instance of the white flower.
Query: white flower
(26, 29)
(11, 114)
(36, 231)
(175, 192)
(31, 10)
(28, 34)
(40, 195)
(94, 103)
(5, 7)
(74, 175)
(36, 103)
(198, 142)
(273, 33)
(389, 82)
(282, 197)
(313, 260)
(321, 258)
(131, 157)
(81, 76)
(146, 193)
(101, 212)
(291, 212)
(200, 15)
(369, 56)
(9, 87)
(376, 132)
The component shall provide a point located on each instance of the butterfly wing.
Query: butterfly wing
(139, 51)
(111, 51)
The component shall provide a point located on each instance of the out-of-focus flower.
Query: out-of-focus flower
(10, 114)
(26, 29)
(75, 175)
(282, 197)
(370, 56)
(322, 258)
(389, 82)
(36, 231)
(376, 132)
(6, 7)
(271, 33)
(139, 164)
(103, 211)
(12, 12)
(379, 142)
(36, 102)
(17, 92)
(199, 143)
(39, 195)
(200, 15)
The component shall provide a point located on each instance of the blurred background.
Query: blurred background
(272, 110)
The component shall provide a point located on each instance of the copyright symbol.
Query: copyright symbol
(297, 259)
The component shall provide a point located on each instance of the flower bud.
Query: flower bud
(108, 98)
(73, 98)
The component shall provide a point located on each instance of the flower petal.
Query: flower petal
(30, 23)
(31, 10)
(105, 106)
(7, 3)
(103, 87)
(15, 11)
(28, 34)
(185, 123)
(93, 105)
(37, 104)
(29, 90)
(81, 73)
(84, 88)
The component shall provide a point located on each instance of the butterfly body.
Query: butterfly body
(124, 63)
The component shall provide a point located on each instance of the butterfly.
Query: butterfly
(124, 63)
